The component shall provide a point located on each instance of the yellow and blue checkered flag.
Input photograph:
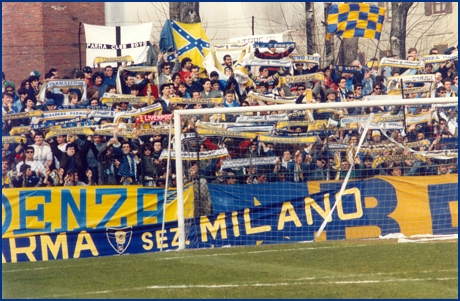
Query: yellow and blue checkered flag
(356, 20)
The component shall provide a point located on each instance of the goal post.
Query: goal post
(244, 111)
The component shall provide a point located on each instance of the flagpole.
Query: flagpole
(79, 43)
(341, 51)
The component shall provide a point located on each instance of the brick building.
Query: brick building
(42, 35)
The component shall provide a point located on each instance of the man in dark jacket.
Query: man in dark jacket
(72, 158)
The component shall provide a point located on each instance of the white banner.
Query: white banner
(117, 41)
(258, 38)
(217, 153)
(263, 118)
(257, 129)
(235, 163)
(271, 63)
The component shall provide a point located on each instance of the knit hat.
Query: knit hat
(9, 84)
(71, 145)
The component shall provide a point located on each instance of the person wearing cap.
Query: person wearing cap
(50, 106)
(88, 73)
(376, 137)
(294, 90)
(191, 84)
(331, 95)
(11, 88)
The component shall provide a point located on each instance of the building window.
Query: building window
(441, 47)
(432, 8)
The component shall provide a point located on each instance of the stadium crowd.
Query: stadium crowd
(114, 159)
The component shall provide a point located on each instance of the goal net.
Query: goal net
(279, 173)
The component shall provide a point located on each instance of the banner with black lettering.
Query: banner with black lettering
(187, 156)
(256, 129)
(222, 133)
(61, 84)
(310, 59)
(274, 45)
(263, 118)
(270, 63)
(35, 113)
(117, 41)
(301, 78)
(109, 98)
(65, 114)
(438, 58)
(347, 69)
(271, 98)
(236, 163)
(181, 100)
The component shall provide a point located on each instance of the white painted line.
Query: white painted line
(258, 252)
(217, 286)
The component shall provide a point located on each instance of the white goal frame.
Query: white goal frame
(283, 107)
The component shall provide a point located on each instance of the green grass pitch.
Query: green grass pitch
(340, 269)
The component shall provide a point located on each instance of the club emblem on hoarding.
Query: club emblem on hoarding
(119, 238)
